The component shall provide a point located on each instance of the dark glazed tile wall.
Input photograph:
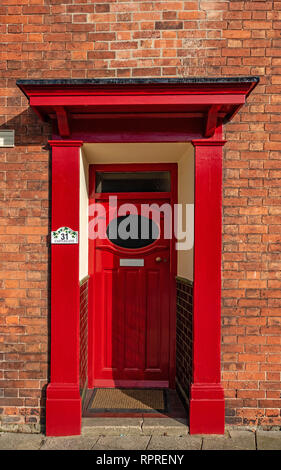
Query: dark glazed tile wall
(83, 337)
(184, 336)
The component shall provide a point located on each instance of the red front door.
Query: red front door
(131, 295)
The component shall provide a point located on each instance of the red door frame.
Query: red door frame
(136, 110)
(172, 196)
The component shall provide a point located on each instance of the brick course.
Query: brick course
(84, 39)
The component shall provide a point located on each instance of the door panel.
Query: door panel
(154, 323)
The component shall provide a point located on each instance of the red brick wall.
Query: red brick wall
(80, 39)
(23, 286)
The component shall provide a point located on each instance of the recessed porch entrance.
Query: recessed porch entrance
(132, 322)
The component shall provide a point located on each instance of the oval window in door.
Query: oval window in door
(132, 231)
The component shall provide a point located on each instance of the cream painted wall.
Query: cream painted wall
(176, 152)
(136, 152)
(186, 196)
(83, 216)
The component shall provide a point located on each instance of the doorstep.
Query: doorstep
(134, 426)
(174, 408)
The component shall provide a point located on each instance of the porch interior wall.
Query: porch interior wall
(83, 215)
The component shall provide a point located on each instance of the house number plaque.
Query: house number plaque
(64, 236)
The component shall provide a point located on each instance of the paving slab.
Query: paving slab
(175, 443)
(69, 443)
(159, 440)
(233, 440)
(111, 426)
(268, 440)
(20, 441)
(164, 426)
(122, 443)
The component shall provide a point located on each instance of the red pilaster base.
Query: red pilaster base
(206, 409)
(63, 410)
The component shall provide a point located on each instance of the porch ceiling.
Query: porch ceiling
(213, 101)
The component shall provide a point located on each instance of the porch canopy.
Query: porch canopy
(79, 107)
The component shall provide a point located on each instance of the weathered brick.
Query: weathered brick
(162, 25)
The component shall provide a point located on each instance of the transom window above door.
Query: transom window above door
(128, 182)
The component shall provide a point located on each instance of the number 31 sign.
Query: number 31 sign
(64, 236)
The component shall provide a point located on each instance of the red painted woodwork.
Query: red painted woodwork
(211, 120)
(133, 323)
(80, 101)
(62, 119)
(136, 112)
(63, 406)
(114, 102)
(207, 401)
(123, 130)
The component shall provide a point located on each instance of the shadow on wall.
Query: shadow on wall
(31, 132)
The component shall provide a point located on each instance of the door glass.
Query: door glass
(132, 231)
(145, 181)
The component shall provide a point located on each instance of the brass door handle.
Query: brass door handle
(158, 259)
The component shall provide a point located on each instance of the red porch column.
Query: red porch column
(207, 397)
(63, 407)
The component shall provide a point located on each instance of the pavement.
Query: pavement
(149, 439)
